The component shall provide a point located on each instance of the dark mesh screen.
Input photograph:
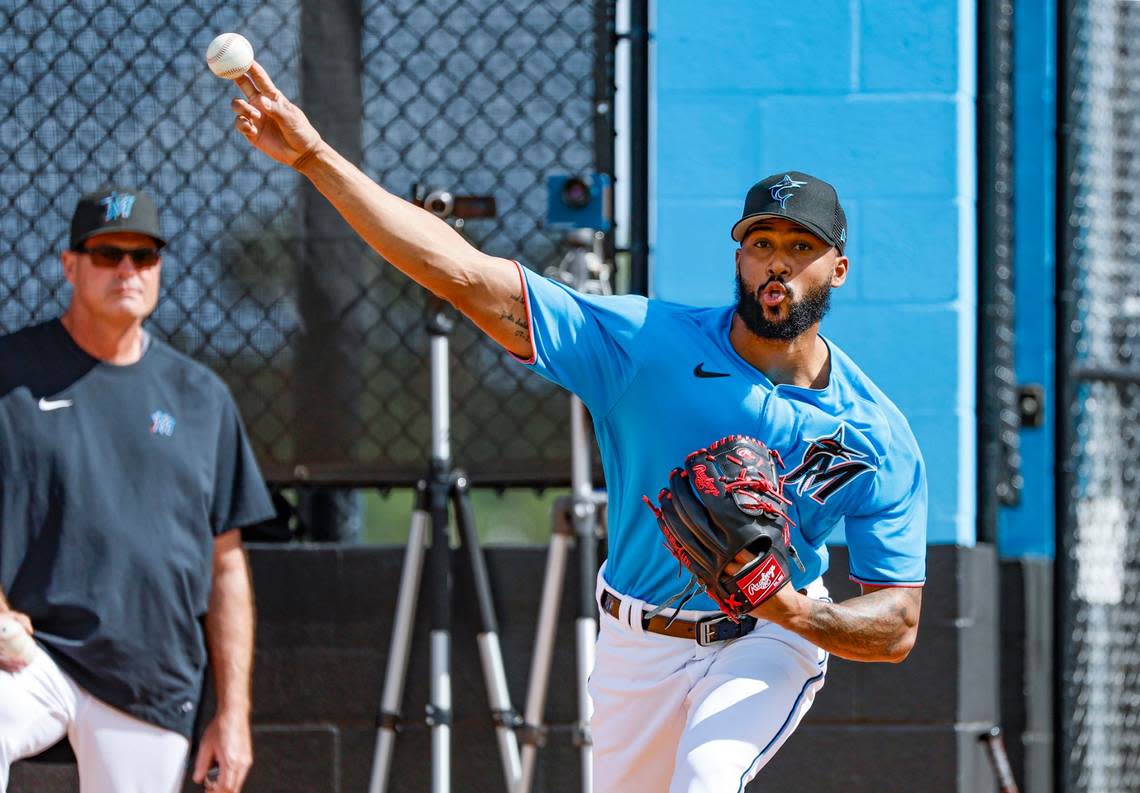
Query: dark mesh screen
(323, 345)
(1098, 553)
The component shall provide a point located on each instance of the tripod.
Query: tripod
(575, 518)
(443, 486)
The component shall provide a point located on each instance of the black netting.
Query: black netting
(323, 345)
(1098, 551)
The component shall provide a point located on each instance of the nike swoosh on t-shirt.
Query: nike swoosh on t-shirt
(54, 404)
(699, 371)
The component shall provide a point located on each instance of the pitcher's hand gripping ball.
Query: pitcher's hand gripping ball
(726, 499)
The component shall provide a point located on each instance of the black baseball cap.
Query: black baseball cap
(115, 209)
(798, 196)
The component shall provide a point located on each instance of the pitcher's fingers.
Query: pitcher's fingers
(246, 85)
(244, 108)
(260, 79)
(246, 127)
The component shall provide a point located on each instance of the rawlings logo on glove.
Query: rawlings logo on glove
(726, 499)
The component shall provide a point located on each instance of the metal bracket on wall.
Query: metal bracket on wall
(1031, 405)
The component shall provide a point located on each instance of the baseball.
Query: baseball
(229, 55)
(15, 641)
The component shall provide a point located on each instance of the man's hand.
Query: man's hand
(781, 606)
(269, 121)
(8, 664)
(226, 743)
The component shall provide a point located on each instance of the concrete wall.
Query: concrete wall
(325, 617)
(877, 98)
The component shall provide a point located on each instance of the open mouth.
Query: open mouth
(773, 294)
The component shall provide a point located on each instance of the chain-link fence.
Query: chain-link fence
(1098, 548)
(323, 345)
(999, 444)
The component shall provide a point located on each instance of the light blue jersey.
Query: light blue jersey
(662, 379)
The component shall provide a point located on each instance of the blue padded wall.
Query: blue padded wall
(877, 97)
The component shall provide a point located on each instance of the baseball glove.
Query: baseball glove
(726, 499)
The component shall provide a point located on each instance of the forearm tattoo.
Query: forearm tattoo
(878, 626)
(516, 316)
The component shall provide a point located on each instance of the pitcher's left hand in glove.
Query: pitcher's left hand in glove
(728, 498)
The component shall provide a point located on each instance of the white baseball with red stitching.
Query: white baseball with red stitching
(229, 55)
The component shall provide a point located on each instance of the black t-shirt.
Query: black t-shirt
(114, 482)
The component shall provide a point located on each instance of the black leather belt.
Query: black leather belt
(705, 631)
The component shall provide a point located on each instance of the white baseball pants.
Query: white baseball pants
(116, 753)
(671, 715)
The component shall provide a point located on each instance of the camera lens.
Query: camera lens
(576, 193)
(440, 203)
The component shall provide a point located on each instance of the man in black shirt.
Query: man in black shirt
(125, 474)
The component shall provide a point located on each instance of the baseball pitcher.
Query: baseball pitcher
(750, 435)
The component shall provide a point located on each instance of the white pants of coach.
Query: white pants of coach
(672, 715)
(116, 752)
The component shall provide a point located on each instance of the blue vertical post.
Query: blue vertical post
(1027, 530)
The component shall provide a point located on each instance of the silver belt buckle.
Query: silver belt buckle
(706, 632)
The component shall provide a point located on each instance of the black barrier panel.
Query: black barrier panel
(1098, 450)
(323, 345)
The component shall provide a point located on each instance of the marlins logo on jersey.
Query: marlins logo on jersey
(827, 466)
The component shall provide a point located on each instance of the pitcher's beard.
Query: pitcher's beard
(804, 312)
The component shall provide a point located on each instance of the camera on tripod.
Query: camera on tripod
(582, 207)
(455, 209)
(582, 201)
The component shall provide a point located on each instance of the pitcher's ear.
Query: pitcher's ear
(839, 274)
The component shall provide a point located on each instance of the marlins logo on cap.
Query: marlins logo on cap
(799, 197)
(782, 190)
(115, 209)
(117, 206)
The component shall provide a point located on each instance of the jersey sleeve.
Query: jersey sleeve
(886, 533)
(584, 343)
(240, 495)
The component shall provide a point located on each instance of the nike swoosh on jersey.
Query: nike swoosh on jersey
(54, 404)
(699, 371)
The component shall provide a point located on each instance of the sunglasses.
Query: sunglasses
(110, 256)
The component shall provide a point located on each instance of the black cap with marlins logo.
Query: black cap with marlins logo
(115, 209)
(798, 197)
